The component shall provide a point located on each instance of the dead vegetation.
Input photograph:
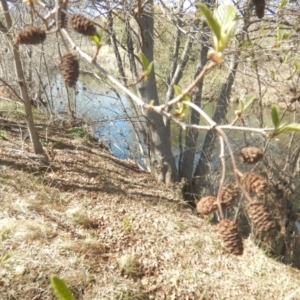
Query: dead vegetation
(112, 232)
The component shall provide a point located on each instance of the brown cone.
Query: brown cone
(70, 69)
(260, 217)
(230, 235)
(207, 205)
(30, 36)
(255, 183)
(259, 8)
(82, 25)
(251, 155)
(63, 19)
(228, 195)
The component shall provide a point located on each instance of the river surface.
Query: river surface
(103, 109)
(107, 113)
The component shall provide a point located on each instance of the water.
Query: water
(108, 114)
(104, 111)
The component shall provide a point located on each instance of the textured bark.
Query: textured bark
(37, 146)
(162, 161)
(187, 163)
(203, 165)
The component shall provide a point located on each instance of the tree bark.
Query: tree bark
(162, 161)
(203, 165)
(187, 163)
(37, 146)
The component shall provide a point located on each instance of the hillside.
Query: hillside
(111, 232)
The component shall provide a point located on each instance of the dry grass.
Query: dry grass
(111, 232)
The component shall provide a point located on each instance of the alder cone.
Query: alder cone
(82, 25)
(70, 69)
(30, 36)
(251, 155)
(260, 217)
(231, 237)
(207, 205)
(255, 183)
(228, 194)
(259, 8)
(63, 18)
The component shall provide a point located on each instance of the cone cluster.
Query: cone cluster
(251, 155)
(82, 25)
(260, 217)
(255, 183)
(230, 235)
(228, 195)
(70, 69)
(30, 36)
(259, 8)
(207, 205)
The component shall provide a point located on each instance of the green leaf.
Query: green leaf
(275, 114)
(60, 288)
(221, 23)
(295, 127)
(283, 4)
(149, 69)
(285, 36)
(96, 38)
(225, 15)
(178, 91)
(297, 66)
(246, 102)
(144, 60)
(210, 20)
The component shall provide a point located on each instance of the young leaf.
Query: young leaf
(225, 15)
(283, 4)
(248, 100)
(297, 66)
(221, 23)
(60, 288)
(210, 20)
(275, 114)
(289, 128)
(181, 110)
(144, 60)
(149, 69)
(178, 91)
(96, 38)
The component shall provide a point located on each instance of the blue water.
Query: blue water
(102, 109)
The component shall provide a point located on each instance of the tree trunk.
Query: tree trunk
(203, 165)
(37, 146)
(162, 161)
(187, 163)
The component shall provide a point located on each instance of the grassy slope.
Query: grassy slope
(113, 233)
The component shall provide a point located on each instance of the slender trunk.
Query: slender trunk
(162, 161)
(37, 146)
(137, 127)
(192, 134)
(203, 166)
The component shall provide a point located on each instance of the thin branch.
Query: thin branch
(15, 93)
(186, 91)
(222, 176)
